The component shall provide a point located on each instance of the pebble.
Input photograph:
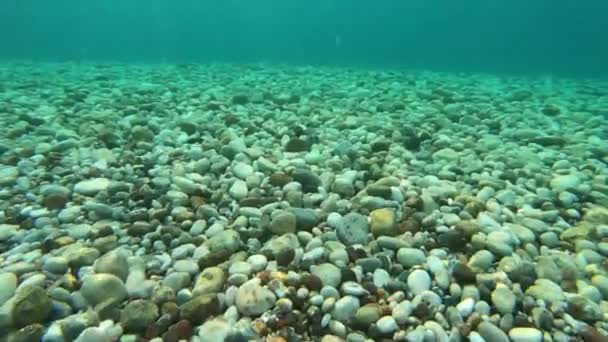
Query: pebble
(418, 281)
(353, 229)
(345, 309)
(387, 325)
(91, 187)
(490, 332)
(329, 274)
(282, 222)
(525, 335)
(215, 330)
(253, 300)
(384, 222)
(410, 257)
(97, 288)
(503, 299)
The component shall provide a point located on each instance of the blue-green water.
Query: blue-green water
(538, 36)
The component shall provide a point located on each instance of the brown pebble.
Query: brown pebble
(279, 179)
(312, 282)
(591, 334)
(285, 256)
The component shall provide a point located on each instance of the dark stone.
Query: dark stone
(279, 179)
(369, 264)
(256, 202)
(551, 110)
(214, 258)
(285, 256)
(240, 99)
(297, 145)
(312, 282)
(524, 274)
(306, 219)
(422, 311)
(379, 191)
(31, 119)
(198, 309)
(348, 275)
(31, 304)
(55, 201)
(591, 334)
(463, 274)
(380, 145)
(309, 180)
(453, 240)
(549, 141)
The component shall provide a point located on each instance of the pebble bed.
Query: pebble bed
(283, 203)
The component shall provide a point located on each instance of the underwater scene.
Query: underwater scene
(286, 171)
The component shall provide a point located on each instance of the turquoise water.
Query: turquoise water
(561, 37)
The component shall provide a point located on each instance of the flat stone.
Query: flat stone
(112, 263)
(353, 229)
(329, 274)
(97, 288)
(521, 334)
(490, 332)
(30, 305)
(410, 257)
(91, 187)
(546, 290)
(345, 309)
(215, 330)
(418, 281)
(282, 222)
(503, 299)
(252, 299)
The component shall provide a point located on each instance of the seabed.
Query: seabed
(225, 202)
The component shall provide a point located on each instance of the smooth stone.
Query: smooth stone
(306, 219)
(387, 325)
(211, 280)
(238, 190)
(242, 170)
(367, 314)
(186, 265)
(30, 305)
(252, 299)
(410, 257)
(227, 241)
(418, 281)
(353, 229)
(257, 262)
(282, 222)
(91, 187)
(329, 274)
(546, 290)
(490, 332)
(503, 299)
(8, 286)
(112, 263)
(215, 330)
(383, 222)
(345, 309)
(482, 260)
(138, 315)
(97, 288)
(55, 265)
(520, 334)
(402, 311)
(177, 280)
(561, 183)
